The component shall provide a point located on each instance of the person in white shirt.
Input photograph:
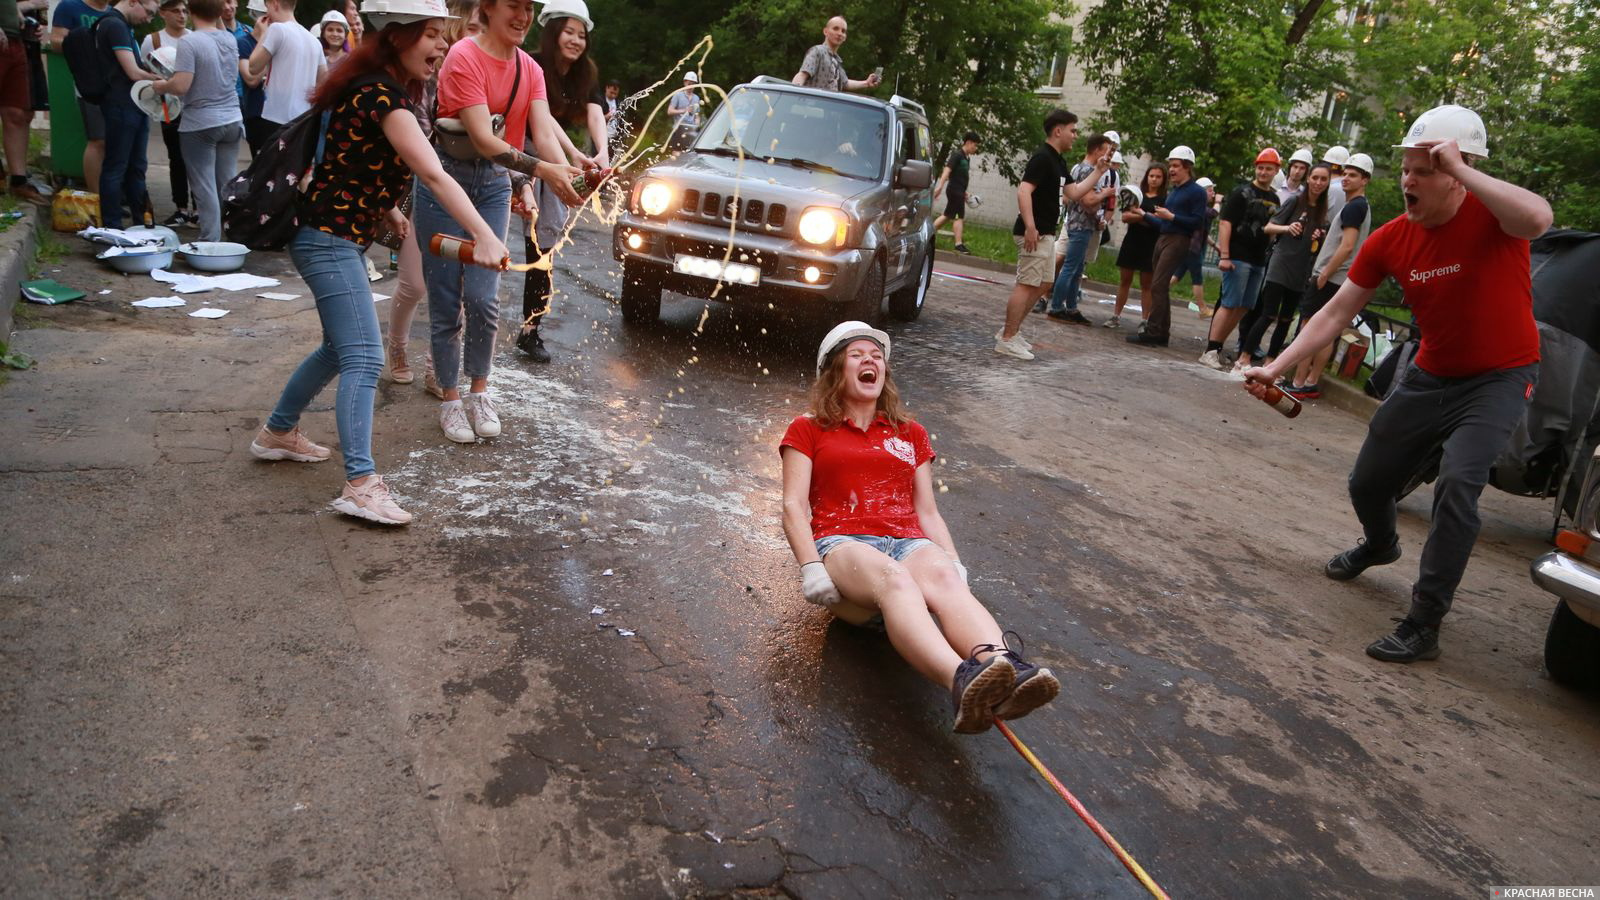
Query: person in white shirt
(293, 55)
(175, 18)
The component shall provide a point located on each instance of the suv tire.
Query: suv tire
(906, 303)
(641, 294)
(1572, 650)
(868, 304)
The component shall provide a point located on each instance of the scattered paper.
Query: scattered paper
(606, 573)
(270, 295)
(623, 632)
(160, 302)
(233, 281)
(105, 292)
(208, 312)
(377, 298)
(598, 611)
(119, 238)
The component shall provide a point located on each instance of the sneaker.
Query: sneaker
(176, 220)
(430, 383)
(980, 687)
(1207, 311)
(1013, 348)
(399, 369)
(453, 419)
(1024, 342)
(1069, 315)
(1306, 391)
(1113, 322)
(532, 344)
(1041, 306)
(485, 419)
(292, 445)
(372, 271)
(962, 248)
(27, 193)
(1146, 339)
(371, 501)
(1033, 687)
(1408, 643)
(1360, 558)
(1213, 359)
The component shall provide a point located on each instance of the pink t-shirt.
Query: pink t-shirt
(471, 77)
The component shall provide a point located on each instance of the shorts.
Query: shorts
(1039, 267)
(897, 549)
(955, 205)
(94, 122)
(15, 92)
(1195, 265)
(1315, 299)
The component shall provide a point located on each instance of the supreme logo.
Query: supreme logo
(1423, 276)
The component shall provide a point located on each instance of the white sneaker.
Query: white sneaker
(453, 419)
(480, 409)
(1012, 348)
(1113, 322)
(1213, 359)
(372, 270)
(1022, 342)
(371, 501)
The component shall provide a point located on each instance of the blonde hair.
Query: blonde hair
(827, 395)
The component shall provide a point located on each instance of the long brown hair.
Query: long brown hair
(827, 395)
(376, 53)
(1144, 183)
(568, 94)
(1319, 208)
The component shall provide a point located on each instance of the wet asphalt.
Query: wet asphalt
(587, 670)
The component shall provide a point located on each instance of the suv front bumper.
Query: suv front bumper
(1573, 580)
(782, 260)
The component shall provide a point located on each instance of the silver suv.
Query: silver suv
(810, 200)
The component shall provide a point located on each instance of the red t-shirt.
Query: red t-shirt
(471, 77)
(1468, 284)
(862, 482)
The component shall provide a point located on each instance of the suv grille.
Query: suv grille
(750, 215)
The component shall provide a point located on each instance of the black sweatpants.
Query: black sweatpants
(1471, 419)
(177, 171)
(536, 287)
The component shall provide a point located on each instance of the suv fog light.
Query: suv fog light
(812, 273)
(635, 241)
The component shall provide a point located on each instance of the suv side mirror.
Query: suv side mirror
(914, 174)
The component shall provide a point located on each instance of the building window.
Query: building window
(1052, 76)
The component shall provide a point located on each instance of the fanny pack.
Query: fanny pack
(451, 136)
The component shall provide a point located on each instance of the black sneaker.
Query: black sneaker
(531, 343)
(1069, 315)
(1147, 339)
(980, 687)
(1409, 643)
(962, 248)
(1040, 306)
(1033, 687)
(1360, 558)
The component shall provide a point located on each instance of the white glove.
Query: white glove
(817, 586)
(961, 570)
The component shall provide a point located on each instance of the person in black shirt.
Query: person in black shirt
(1039, 197)
(1242, 243)
(954, 176)
(127, 126)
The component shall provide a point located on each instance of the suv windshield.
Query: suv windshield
(799, 128)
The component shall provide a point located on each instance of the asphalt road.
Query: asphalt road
(587, 670)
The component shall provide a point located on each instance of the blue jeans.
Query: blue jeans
(352, 345)
(122, 173)
(1241, 286)
(1065, 294)
(456, 288)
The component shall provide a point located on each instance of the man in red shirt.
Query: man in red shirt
(1460, 253)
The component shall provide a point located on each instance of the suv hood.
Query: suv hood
(770, 182)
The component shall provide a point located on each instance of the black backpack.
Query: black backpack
(259, 204)
(88, 67)
(1389, 370)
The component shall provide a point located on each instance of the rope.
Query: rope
(1116, 848)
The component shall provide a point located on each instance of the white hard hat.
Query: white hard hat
(257, 7)
(1116, 157)
(161, 107)
(566, 9)
(333, 16)
(1442, 123)
(1336, 155)
(164, 60)
(1360, 161)
(845, 332)
(1303, 155)
(383, 13)
(1114, 138)
(1205, 182)
(691, 76)
(1181, 152)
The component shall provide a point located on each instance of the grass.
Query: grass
(996, 244)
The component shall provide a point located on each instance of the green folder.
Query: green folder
(49, 292)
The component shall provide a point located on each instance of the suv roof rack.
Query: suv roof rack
(770, 79)
(908, 103)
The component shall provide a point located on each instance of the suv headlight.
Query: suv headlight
(655, 197)
(823, 225)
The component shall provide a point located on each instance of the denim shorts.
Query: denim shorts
(896, 549)
(1195, 265)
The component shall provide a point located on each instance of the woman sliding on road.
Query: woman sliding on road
(860, 516)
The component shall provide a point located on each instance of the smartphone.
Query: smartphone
(878, 73)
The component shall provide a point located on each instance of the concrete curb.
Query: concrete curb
(952, 258)
(17, 245)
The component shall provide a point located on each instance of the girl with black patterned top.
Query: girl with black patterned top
(372, 148)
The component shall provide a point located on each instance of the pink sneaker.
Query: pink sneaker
(371, 501)
(293, 445)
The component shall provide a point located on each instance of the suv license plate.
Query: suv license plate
(716, 269)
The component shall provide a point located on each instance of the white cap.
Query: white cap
(566, 9)
(1114, 138)
(1443, 123)
(1181, 152)
(691, 76)
(1205, 182)
(1303, 155)
(1336, 155)
(383, 13)
(1359, 161)
(1116, 157)
(845, 332)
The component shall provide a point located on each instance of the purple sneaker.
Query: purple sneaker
(979, 687)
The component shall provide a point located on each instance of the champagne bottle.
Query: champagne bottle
(1282, 401)
(458, 249)
(591, 179)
